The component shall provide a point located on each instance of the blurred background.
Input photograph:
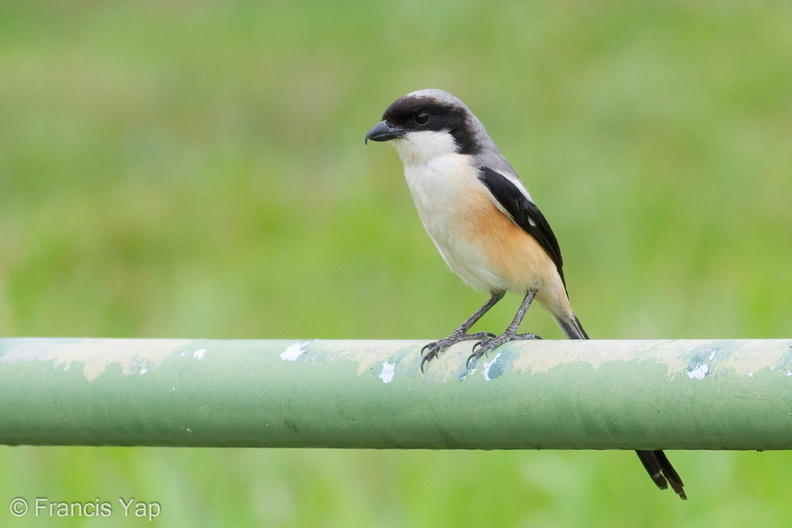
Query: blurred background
(196, 169)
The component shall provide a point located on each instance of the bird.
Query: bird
(486, 226)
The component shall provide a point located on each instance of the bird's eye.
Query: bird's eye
(421, 118)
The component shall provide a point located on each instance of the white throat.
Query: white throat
(418, 148)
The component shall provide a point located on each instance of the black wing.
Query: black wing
(524, 212)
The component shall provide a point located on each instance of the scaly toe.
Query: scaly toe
(484, 346)
(432, 350)
(527, 336)
(429, 349)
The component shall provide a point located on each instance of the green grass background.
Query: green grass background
(197, 169)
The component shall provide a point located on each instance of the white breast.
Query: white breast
(445, 187)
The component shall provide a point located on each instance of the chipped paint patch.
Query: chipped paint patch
(387, 373)
(698, 372)
(680, 358)
(469, 370)
(496, 372)
(368, 355)
(94, 356)
(294, 351)
(199, 354)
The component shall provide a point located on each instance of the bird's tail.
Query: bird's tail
(572, 327)
(655, 462)
(661, 471)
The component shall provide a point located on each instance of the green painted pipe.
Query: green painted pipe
(681, 394)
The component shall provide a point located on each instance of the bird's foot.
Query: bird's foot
(485, 345)
(433, 349)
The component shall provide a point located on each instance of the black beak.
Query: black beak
(384, 131)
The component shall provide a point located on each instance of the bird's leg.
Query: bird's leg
(431, 350)
(487, 344)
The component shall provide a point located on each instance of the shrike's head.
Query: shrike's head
(430, 123)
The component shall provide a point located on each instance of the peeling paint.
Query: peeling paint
(387, 373)
(698, 372)
(680, 359)
(488, 366)
(722, 357)
(468, 370)
(92, 357)
(294, 351)
(367, 354)
(701, 363)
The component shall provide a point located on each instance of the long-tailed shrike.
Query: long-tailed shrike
(485, 225)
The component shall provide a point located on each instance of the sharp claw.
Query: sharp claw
(470, 358)
(482, 342)
(432, 350)
(476, 353)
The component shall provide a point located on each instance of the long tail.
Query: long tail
(661, 471)
(655, 462)
(572, 327)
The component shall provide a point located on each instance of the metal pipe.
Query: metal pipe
(670, 394)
